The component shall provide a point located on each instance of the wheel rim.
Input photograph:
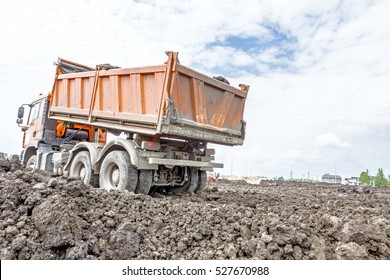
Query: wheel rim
(31, 162)
(112, 177)
(115, 177)
(80, 171)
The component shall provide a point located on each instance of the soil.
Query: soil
(45, 217)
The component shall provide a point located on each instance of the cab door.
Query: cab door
(34, 129)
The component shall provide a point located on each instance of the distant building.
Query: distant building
(334, 179)
(353, 181)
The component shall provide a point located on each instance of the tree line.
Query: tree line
(378, 180)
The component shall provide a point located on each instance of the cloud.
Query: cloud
(353, 128)
(330, 140)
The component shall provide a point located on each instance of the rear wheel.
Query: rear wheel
(32, 162)
(189, 186)
(82, 167)
(202, 181)
(193, 183)
(117, 172)
(145, 181)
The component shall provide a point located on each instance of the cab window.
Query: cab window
(35, 111)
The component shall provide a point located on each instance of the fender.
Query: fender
(92, 148)
(30, 149)
(118, 144)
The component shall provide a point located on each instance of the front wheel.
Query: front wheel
(118, 173)
(32, 162)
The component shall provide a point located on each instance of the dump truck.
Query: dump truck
(134, 129)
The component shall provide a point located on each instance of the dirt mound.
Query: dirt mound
(9, 164)
(59, 218)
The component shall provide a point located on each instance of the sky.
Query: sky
(319, 71)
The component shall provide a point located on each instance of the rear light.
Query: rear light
(209, 152)
(150, 146)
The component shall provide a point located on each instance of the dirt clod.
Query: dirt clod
(59, 218)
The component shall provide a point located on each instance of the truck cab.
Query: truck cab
(42, 135)
(38, 130)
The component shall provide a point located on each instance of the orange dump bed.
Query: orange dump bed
(168, 100)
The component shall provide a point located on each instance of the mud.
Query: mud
(58, 218)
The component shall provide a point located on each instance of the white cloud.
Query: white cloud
(331, 140)
(296, 155)
(353, 128)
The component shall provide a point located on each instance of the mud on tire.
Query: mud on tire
(117, 172)
(82, 167)
(190, 186)
(202, 181)
(32, 162)
(145, 181)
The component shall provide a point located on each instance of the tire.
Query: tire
(117, 172)
(189, 186)
(32, 162)
(193, 182)
(82, 167)
(202, 182)
(145, 181)
(181, 189)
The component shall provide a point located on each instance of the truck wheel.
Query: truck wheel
(32, 162)
(145, 181)
(193, 182)
(82, 167)
(118, 173)
(202, 181)
(189, 186)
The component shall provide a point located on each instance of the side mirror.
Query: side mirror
(19, 120)
(20, 112)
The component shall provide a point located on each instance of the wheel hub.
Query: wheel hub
(115, 176)
(82, 172)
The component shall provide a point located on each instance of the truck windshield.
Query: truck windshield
(35, 111)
